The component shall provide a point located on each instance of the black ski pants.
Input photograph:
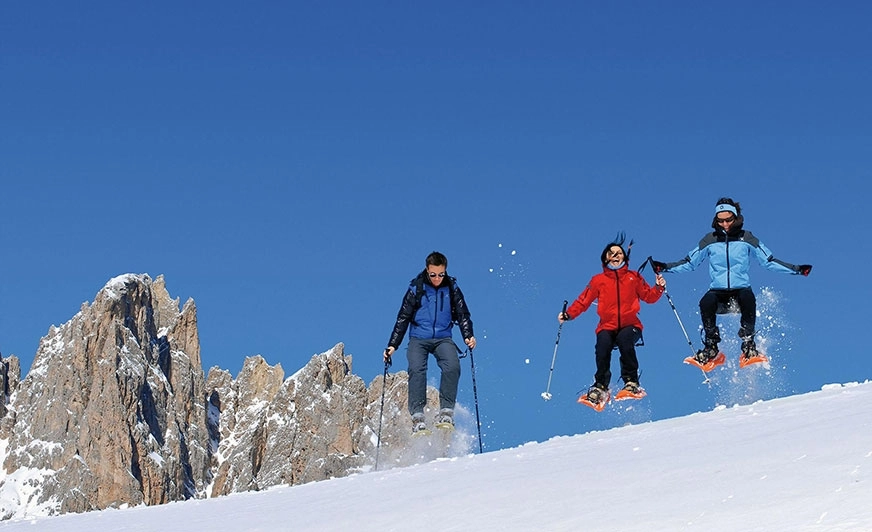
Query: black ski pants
(625, 339)
(716, 302)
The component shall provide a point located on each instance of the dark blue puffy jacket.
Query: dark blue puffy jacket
(433, 312)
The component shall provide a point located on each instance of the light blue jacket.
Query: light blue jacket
(729, 259)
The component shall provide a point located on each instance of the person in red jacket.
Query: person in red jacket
(617, 290)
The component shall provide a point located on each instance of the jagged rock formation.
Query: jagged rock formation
(111, 411)
(116, 410)
(10, 374)
(276, 431)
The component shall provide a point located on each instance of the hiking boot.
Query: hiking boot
(419, 426)
(596, 394)
(632, 388)
(749, 349)
(445, 418)
(706, 354)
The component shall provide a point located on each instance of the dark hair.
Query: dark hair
(436, 259)
(618, 241)
(740, 220)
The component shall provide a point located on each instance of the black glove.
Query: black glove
(804, 269)
(563, 313)
(658, 266)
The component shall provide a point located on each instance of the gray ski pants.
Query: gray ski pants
(445, 351)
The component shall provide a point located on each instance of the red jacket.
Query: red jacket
(618, 293)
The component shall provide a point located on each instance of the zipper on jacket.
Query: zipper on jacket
(435, 311)
(437, 308)
(727, 244)
(618, 290)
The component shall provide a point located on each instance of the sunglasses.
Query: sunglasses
(729, 220)
(439, 275)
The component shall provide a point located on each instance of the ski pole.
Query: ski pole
(686, 336)
(547, 394)
(475, 396)
(677, 317)
(381, 409)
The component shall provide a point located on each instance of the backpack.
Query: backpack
(417, 286)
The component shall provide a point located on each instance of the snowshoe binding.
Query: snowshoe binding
(597, 397)
(445, 419)
(419, 426)
(750, 355)
(631, 390)
(707, 358)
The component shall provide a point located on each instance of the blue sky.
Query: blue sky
(289, 167)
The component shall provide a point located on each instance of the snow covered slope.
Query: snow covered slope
(801, 463)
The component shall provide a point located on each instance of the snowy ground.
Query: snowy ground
(801, 463)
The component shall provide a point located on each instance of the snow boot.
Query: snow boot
(750, 355)
(445, 419)
(631, 390)
(597, 397)
(596, 394)
(749, 349)
(419, 426)
(707, 353)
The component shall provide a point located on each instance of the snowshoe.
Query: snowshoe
(419, 427)
(750, 355)
(445, 419)
(707, 359)
(596, 398)
(631, 390)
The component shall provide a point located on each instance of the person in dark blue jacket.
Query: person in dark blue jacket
(729, 249)
(433, 303)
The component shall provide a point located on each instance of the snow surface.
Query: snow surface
(801, 463)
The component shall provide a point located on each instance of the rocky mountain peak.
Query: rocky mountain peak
(116, 410)
(108, 414)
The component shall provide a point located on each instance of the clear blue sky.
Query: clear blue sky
(289, 168)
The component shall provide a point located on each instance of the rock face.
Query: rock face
(111, 411)
(116, 410)
(288, 431)
(10, 374)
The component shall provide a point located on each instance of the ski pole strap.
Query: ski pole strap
(642, 267)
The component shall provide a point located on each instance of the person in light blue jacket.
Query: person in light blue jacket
(729, 250)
